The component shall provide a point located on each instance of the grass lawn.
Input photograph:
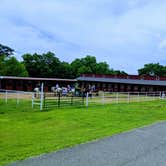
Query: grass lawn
(25, 132)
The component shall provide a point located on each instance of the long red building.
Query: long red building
(123, 83)
(29, 83)
(116, 83)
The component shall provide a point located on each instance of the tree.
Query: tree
(84, 65)
(45, 65)
(48, 65)
(5, 50)
(90, 65)
(12, 67)
(103, 68)
(65, 70)
(119, 72)
(75, 65)
(90, 62)
(153, 69)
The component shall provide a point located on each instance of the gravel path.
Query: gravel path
(141, 147)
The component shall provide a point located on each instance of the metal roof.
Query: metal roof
(37, 79)
(124, 81)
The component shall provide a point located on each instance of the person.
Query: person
(68, 88)
(77, 89)
(93, 88)
(57, 86)
(36, 90)
(64, 91)
(90, 93)
(89, 87)
(163, 95)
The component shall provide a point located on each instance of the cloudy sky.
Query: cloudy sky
(124, 33)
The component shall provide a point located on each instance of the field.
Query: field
(25, 132)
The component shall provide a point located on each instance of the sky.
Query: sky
(125, 33)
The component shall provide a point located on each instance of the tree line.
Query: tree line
(48, 65)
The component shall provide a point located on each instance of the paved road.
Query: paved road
(140, 147)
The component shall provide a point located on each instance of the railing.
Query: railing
(59, 100)
(122, 97)
(18, 96)
(51, 100)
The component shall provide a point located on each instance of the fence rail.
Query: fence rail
(124, 97)
(50, 100)
(18, 96)
(60, 100)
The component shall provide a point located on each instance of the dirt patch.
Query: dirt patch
(15, 96)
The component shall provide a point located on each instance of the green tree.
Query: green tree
(12, 67)
(84, 69)
(153, 69)
(90, 65)
(103, 68)
(48, 65)
(65, 70)
(5, 50)
(119, 72)
(45, 65)
(84, 65)
(75, 65)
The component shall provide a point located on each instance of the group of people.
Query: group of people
(63, 90)
(75, 89)
(88, 89)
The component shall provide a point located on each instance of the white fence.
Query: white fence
(90, 98)
(122, 97)
(102, 98)
(17, 96)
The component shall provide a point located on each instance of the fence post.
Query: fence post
(18, 98)
(154, 95)
(87, 96)
(72, 100)
(163, 95)
(59, 99)
(117, 97)
(83, 98)
(41, 97)
(33, 96)
(160, 95)
(128, 97)
(6, 97)
(138, 97)
(103, 101)
(44, 100)
(146, 96)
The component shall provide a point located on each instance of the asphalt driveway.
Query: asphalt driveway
(141, 147)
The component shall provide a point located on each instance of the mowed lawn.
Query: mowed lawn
(25, 132)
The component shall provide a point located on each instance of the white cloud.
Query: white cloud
(126, 34)
(162, 44)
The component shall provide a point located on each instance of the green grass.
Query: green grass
(25, 132)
